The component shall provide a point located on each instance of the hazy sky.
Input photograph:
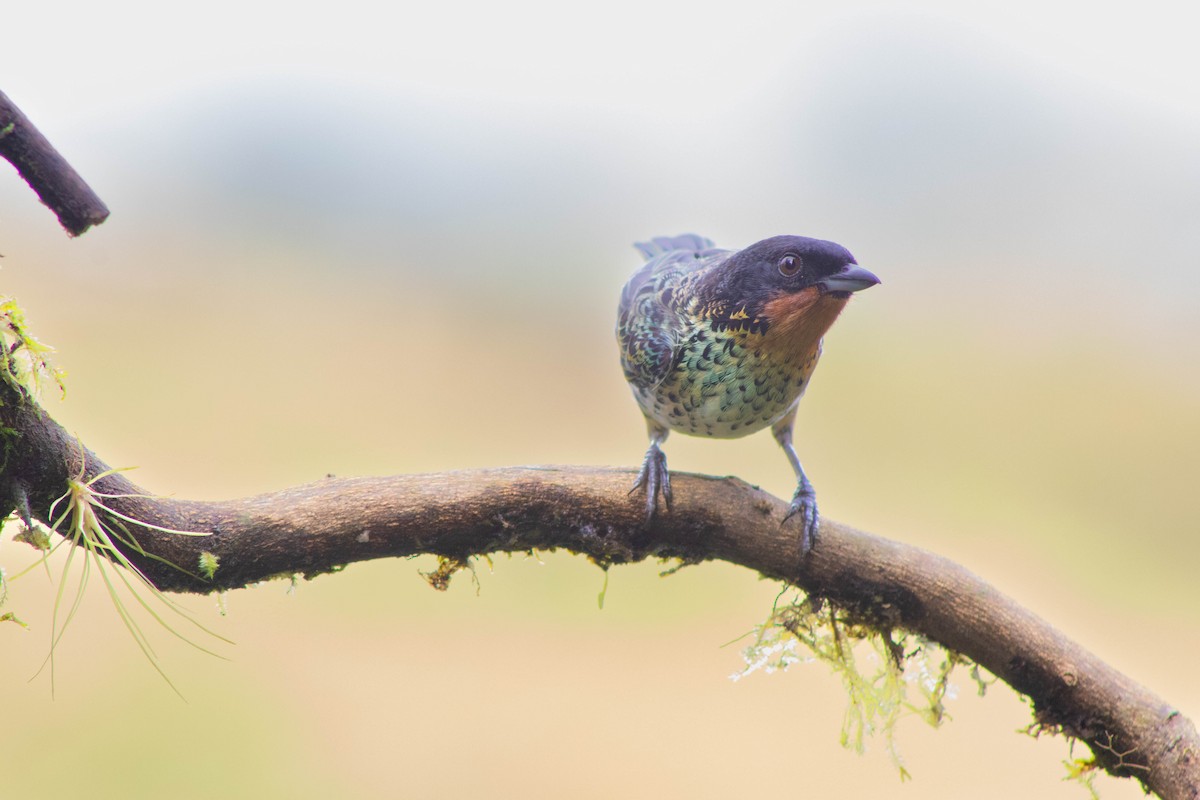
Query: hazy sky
(947, 141)
(628, 58)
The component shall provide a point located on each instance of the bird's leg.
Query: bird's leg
(804, 501)
(654, 476)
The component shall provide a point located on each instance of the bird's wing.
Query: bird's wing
(687, 244)
(647, 330)
(650, 324)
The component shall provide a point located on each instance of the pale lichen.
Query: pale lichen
(439, 577)
(208, 563)
(887, 674)
(1084, 771)
(24, 361)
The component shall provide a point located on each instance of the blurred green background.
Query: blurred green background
(366, 239)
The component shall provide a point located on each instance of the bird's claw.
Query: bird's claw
(655, 479)
(804, 505)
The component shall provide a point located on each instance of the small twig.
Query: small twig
(47, 172)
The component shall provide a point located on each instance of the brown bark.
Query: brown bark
(588, 510)
(48, 173)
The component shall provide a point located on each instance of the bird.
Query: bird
(722, 343)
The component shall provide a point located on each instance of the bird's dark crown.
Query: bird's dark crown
(781, 264)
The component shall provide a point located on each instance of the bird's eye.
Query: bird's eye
(789, 265)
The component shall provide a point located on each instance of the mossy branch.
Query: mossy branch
(320, 526)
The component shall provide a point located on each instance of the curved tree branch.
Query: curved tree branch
(48, 173)
(587, 510)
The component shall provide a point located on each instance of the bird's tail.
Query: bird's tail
(659, 245)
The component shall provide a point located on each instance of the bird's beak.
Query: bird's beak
(851, 278)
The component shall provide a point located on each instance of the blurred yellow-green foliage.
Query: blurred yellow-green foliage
(359, 240)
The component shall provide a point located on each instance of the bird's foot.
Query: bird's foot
(655, 479)
(804, 506)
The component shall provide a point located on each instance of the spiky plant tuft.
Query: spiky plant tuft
(102, 534)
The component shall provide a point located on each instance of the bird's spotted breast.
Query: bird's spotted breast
(727, 383)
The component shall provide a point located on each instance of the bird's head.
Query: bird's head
(792, 284)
